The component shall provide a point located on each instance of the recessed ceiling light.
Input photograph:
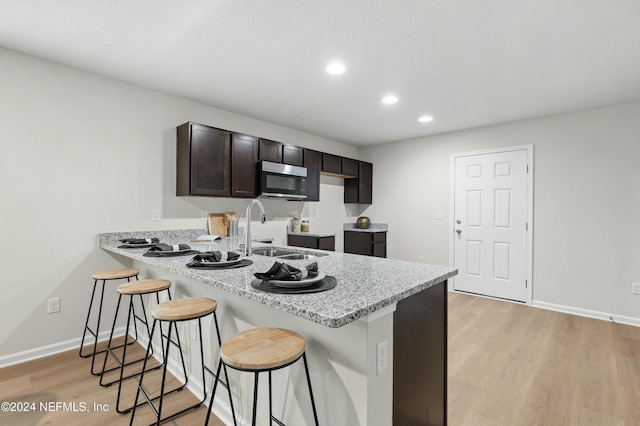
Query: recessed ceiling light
(425, 119)
(389, 99)
(335, 68)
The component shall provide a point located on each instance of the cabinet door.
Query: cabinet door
(292, 155)
(203, 161)
(331, 163)
(306, 241)
(358, 243)
(313, 163)
(270, 151)
(379, 244)
(365, 183)
(349, 167)
(360, 189)
(327, 243)
(244, 165)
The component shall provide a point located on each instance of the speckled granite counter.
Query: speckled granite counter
(374, 227)
(365, 284)
(377, 301)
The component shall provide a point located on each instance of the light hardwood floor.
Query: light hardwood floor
(65, 378)
(508, 364)
(511, 364)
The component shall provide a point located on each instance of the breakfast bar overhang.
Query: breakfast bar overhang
(376, 343)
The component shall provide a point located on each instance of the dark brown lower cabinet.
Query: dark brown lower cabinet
(420, 358)
(311, 241)
(366, 243)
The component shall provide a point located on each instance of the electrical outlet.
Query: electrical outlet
(53, 305)
(382, 357)
(438, 215)
(204, 214)
(155, 214)
(635, 288)
(420, 259)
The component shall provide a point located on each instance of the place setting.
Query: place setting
(138, 242)
(167, 250)
(218, 260)
(283, 278)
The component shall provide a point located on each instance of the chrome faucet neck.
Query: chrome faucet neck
(248, 250)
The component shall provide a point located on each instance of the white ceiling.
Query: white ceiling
(468, 63)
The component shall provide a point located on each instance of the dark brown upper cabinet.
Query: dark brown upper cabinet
(270, 151)
(313, 163)
(293, 155)
(331, 164)
(349, 167)
(244, 166)
(360, 189)
(203, 161)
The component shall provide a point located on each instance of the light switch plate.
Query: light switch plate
(438, 215)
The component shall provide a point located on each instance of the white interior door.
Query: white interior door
(491, 230)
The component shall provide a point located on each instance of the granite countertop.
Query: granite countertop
(365, 284)
(312, 234)
(374, 227)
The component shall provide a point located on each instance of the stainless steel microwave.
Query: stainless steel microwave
(283, 180)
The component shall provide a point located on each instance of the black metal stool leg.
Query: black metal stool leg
(86, 324)
(313, 403)
(255, 400)
(140, 389)
(270, 401)
(213, 394)
(97, 331)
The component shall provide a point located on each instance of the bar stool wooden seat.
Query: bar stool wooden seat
(172, 312)
(102, 276)
(264, 350)
(132, 289)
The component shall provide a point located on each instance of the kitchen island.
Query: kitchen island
(356, 381)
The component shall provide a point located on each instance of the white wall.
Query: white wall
(83, 154)
(586, 208)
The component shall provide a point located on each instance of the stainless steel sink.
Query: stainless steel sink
(286, 254)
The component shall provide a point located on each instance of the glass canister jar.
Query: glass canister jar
(305, 226)
(295, 224)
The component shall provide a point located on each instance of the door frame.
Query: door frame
(530, 198)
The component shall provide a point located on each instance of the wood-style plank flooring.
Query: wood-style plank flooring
(508, 364)
(65, 378)
(511, 364)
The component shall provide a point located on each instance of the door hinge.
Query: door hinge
(527, 168)
(526, 226)
(526, 284)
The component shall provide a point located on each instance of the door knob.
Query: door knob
(458, 221)
(458, 231)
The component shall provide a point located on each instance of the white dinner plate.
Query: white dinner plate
(221, 263)
(302, 283)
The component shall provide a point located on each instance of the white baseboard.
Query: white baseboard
(55, 348)
(620, 319)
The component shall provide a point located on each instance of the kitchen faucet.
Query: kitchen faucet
(247, 229)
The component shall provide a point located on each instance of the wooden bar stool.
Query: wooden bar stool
(103, 276)
(172, 312)
(132, 289)
(264, 349)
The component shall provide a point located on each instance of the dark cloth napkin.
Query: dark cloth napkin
(283, 272)
(167, 247)
(215, 256)
(140, 241)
